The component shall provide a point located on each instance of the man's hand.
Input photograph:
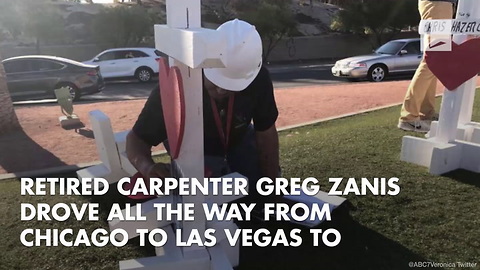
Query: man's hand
(140, 155)
(158, 170)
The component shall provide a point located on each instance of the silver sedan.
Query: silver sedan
(394, 57)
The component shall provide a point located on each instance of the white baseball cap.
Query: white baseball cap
(243, 59)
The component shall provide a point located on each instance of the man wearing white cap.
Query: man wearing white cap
(233, 97)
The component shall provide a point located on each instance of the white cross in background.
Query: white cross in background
(454, 141)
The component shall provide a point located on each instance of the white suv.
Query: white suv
(140, 63)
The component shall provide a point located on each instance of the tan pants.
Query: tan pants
(420, 98)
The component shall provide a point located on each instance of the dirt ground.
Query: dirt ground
(43, 143)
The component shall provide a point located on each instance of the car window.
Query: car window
(45, 65)
(158, 53)
(10, 66)
(107, 56)
(412, 47)
(130, 54)
(16, 66)
(123, 54)
(392, 47)
(139, 54)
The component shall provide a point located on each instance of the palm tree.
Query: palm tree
(8, 118)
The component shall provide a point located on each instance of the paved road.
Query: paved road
(287, 77)
(283, 77)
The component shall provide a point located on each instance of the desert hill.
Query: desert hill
(312, 20)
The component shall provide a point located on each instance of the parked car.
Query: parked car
(140, 63)
(37, 76)
(394, 57)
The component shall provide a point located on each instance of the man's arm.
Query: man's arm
(268, 153)
(140, 155)
(149, 129)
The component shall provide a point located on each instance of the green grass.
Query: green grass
(434, 218)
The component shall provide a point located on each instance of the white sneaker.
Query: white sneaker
(417, 126)
(433, 117)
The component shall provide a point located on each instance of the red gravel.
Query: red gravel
(43, 143)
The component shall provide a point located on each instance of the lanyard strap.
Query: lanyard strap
(218, 122)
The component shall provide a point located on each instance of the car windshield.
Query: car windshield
(390, 47)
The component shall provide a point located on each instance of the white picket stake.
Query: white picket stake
(111, 168)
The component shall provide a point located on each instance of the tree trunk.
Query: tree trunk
(8, 118)
(272, 43)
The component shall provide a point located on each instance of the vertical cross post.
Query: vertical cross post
(191, 48)
(457, 106)
(186, 15)
(468, 99)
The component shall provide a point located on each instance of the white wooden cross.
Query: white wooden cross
(190, 48)
(454, 141)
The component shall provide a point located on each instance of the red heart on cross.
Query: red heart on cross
(173, 104)
(457, 66)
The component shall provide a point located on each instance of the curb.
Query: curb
(69, 168)
(338, 117)
(280, 69)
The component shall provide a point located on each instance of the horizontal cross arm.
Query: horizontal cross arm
(196, 48)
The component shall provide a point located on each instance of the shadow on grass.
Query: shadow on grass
(464, 176)
(360, 248)
(20, 153)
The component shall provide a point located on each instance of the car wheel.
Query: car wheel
(144, 74)
(377, 73)
(72, 89)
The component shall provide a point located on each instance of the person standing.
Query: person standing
(418, 109)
